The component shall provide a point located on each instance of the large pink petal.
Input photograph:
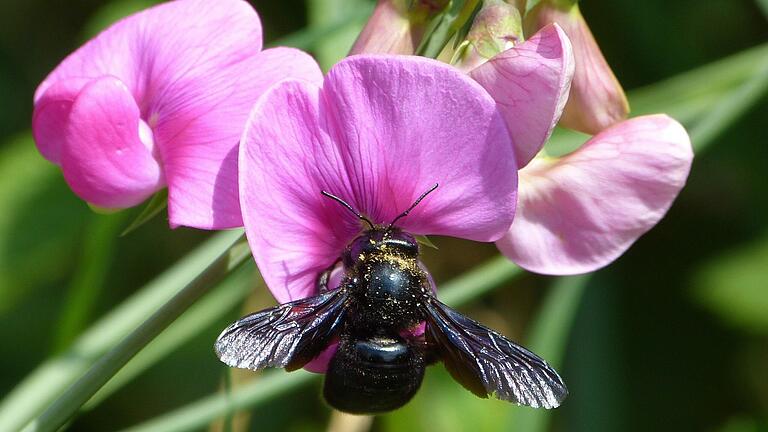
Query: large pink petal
(530, 82)
(380, 132)
(406, 123)
(286, 159)
(579, 213)
(107, 153)
(199, 127)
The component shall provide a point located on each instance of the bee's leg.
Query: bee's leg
(322, 281)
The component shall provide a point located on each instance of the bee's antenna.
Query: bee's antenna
(348, 207)
(415, 203)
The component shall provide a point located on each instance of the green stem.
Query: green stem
(199, 318)
(480, 280)
(548, 339)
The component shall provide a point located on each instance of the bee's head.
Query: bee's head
(381, 240)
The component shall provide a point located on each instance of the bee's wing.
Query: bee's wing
(487, 363)
(286, 336)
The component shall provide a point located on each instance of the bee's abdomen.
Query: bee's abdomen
(373, 375)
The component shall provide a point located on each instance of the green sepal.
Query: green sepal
(156, 204)
(452, 20)
(422, 239)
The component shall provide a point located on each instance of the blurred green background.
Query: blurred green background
(671, 337)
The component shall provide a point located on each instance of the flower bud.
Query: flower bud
(597, 100)
(496, 28)
(396, 26)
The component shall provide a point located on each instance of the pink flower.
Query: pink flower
(597, 99)
(580, 212)
(159, 100)
(378, 132)
(530, 82)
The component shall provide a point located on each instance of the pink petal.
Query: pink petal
(107, 153)
(294, 232)
(200, 126)
(579, 213)
(50, 116)
(381, 131)
(405, 123)
(597, 100)
(530, 82)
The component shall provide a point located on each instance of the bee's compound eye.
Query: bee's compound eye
(359, 246)
(404, 243)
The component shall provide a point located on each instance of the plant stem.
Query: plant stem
(549, 337)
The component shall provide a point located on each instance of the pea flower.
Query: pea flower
(597, 100)
(582, 211)
(159, 100)
(378, 132)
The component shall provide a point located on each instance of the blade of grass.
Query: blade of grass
(492, 274)
(50, 379)
(731, 108)
(200, 317)
(66, 405)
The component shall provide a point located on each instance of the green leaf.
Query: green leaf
(156, 204)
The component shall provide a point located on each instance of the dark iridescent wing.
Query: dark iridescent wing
(487, 363)
(286, 336)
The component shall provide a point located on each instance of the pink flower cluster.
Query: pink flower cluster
(182, 96)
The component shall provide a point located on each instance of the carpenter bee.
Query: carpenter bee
(379, 364)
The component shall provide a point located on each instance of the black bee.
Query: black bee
(379, 365)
